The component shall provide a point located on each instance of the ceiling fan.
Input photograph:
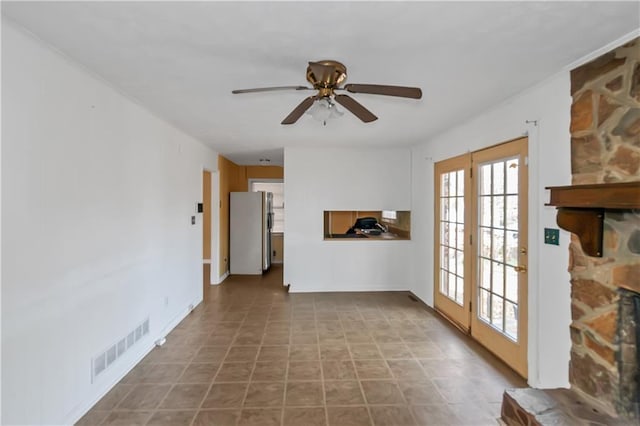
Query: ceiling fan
(326, 77)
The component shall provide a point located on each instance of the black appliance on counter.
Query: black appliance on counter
(367, 225)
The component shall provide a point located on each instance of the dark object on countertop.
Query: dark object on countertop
(368, 225)
(347, 235)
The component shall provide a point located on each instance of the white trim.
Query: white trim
(604, 49)
(206, 261)
(221, 278)
(273, 262)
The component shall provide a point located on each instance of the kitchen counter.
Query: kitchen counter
(359, 235)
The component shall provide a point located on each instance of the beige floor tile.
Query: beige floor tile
(216, 418)
(184, 396)
(273, 353)
(113, 397)
(265, 395)
(382, 392)
(272, 371)
(163, 373)
(171, 418)
(304, 371)
(372, 369)
(242, 354)
(343, 393)
(364, 351)
(225, 395)
(144, 397)
(435, 415)
(358, 336)
(408, 369)
(199, 373)
(234, 372)
(211, 354)
(392, 416)
(395, 351)
(338, 370)
(419, 393)
(339, 351)
(307, 416)
(260, 417)
(348, 416)
(276, 338)
(307, 338)
(304, 353)
(92, 418)
(127, 418)
(304, 394)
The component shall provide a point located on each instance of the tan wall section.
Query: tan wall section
(206, 215)
(277, 245)
(264, 172)
(234, 178)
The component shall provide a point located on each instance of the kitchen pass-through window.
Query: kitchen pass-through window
(277, 188)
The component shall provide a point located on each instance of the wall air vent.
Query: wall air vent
(105, 359)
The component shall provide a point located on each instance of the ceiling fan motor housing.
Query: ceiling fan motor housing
(326, 75)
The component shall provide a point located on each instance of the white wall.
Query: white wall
(97, 195)
(344, 179)
(549, 104)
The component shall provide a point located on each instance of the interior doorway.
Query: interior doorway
(481, 246)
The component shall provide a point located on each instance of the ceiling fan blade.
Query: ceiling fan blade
(320, 71)
(378, 89)
(270, 89)
(356, 108)
(299, 110)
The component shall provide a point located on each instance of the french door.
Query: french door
(481, 247)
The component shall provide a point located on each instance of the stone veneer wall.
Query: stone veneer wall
(605, 147)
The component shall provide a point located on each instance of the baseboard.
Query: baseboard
(221, 278)
(325, 289)
(75, 415)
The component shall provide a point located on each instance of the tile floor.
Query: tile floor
(252, 354)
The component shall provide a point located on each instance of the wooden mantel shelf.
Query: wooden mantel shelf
(581, 209)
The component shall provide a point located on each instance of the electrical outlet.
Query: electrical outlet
(552, 236)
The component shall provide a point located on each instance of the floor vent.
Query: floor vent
(105, 359)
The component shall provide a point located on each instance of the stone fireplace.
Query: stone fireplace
(602, 210)
(605, 289)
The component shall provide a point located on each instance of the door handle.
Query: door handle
(520, 268)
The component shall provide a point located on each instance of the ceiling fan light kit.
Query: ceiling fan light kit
(326, 77)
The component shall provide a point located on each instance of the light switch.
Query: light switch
(552, 236)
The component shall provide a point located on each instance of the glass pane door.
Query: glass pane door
(498, 243)
(452, 256)
(452, 236)
(499, 314)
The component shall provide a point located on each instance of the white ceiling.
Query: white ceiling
(182, 59)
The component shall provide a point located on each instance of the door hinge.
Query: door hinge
(471, 172)
(470, 239)
(470, 310)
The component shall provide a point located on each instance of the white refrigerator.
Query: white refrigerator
(250, 223)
